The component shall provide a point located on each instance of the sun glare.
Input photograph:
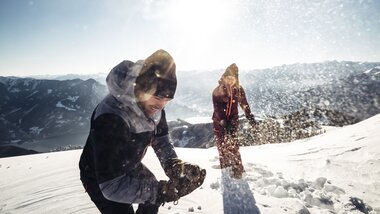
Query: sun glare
(200, 16)
(199, 27)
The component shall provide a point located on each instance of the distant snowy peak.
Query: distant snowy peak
(373, 71)
(99, 77)
(14, 83)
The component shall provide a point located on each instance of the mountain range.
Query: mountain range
(334, 93)
(33, 109)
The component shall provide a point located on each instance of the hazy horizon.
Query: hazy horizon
(37, 75)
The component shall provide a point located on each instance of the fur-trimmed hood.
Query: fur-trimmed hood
(121, 99)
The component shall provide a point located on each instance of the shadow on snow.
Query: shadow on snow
(237, 196)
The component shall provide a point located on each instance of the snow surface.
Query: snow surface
(198, 120)
(315, 175)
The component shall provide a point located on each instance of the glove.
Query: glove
(252, 121)
(167, 192)
(176, 168)
(190, 182)
(184, 179)
(174, 189)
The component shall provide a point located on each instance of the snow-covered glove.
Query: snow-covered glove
(190, 182)
(252, 121)
(176, 168)
(176, 188)
(167, 192)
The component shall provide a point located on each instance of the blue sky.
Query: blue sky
(91, 36)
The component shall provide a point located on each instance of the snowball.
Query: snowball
(334, 189)
(319, 183)
(280, 192)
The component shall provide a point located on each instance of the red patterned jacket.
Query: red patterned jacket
(226, 115)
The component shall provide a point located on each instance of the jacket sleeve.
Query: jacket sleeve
(162, 144)
(121, 176)
(219, 115)
(244, 105)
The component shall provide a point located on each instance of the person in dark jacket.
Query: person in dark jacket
(128, 120)
(226, 97)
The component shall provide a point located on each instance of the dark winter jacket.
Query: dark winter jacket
(226, 115)
(119, 137)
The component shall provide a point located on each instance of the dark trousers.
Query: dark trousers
(229, 154)
(106, 206)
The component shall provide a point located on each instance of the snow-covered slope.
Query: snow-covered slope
(316, 175)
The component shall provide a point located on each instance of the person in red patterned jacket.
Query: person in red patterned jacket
(226, 97)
